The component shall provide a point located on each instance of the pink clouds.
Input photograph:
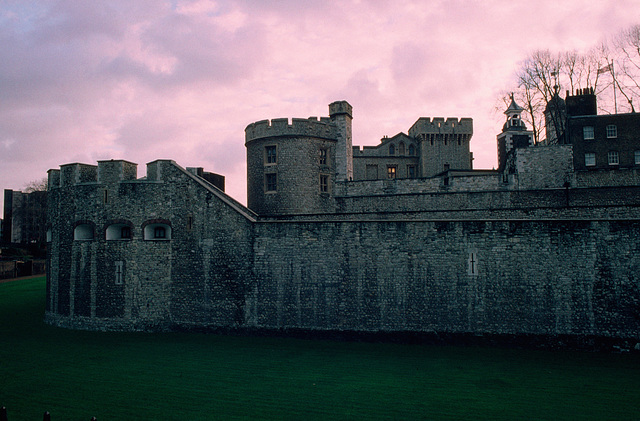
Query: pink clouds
(142, 80)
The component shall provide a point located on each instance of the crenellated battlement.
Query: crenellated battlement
(106, 172)
(451, 125)
(310, 127)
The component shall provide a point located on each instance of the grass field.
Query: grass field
(133, 376)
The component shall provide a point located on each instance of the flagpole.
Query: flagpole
(615, 102)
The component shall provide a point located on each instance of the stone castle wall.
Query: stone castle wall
(194, 276)
(500, 277)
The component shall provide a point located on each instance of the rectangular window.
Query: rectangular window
(613, 158)
(271, 182)
(391, 171)
(323, 157)
(587, 132)
(119, 273)
(411, 171)
(612, 131)
(636, 157)
(324, 183)
(270, 155)
(159, 232)
(589, 159)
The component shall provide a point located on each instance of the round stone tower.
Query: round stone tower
(292, 168)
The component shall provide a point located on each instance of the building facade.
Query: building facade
(327, 243)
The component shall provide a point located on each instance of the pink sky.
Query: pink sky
(141, 80)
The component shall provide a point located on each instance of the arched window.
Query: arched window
(412, 150)
(118, 231)
(392, 150)
(157, 231)
(83, 232)
(401, 148)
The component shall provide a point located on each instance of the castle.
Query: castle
(402, 237)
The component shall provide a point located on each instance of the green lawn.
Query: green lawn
(135, 376)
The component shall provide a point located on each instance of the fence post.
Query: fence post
(3, 414)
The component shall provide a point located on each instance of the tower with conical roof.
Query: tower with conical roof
(514, 133)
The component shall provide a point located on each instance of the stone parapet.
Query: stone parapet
(440, 125)
(277, 127)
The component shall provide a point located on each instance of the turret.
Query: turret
(340, 113)
(514, 133)
(291, 168)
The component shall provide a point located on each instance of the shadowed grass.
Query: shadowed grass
(136, 376)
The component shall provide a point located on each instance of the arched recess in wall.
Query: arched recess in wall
(119, 229)
(412, 150)
(84, 230)
(157, 229)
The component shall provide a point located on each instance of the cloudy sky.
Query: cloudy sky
(82, 81)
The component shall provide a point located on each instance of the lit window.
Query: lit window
(613, 158)
(391, 172)
(636, 157)
(589, 159)
(587, 132)
(612, 131)
(270, 154)
(392, 150)
(323, 157)
(271, 182)
(324, 183)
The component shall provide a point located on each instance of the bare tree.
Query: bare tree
(610, 69)
(36, 185)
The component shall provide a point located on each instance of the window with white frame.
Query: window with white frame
(612, 131)
(587, 132)
(589, 159)
(613, 158)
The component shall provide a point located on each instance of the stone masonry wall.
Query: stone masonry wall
(195, 276)
(506, 277)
